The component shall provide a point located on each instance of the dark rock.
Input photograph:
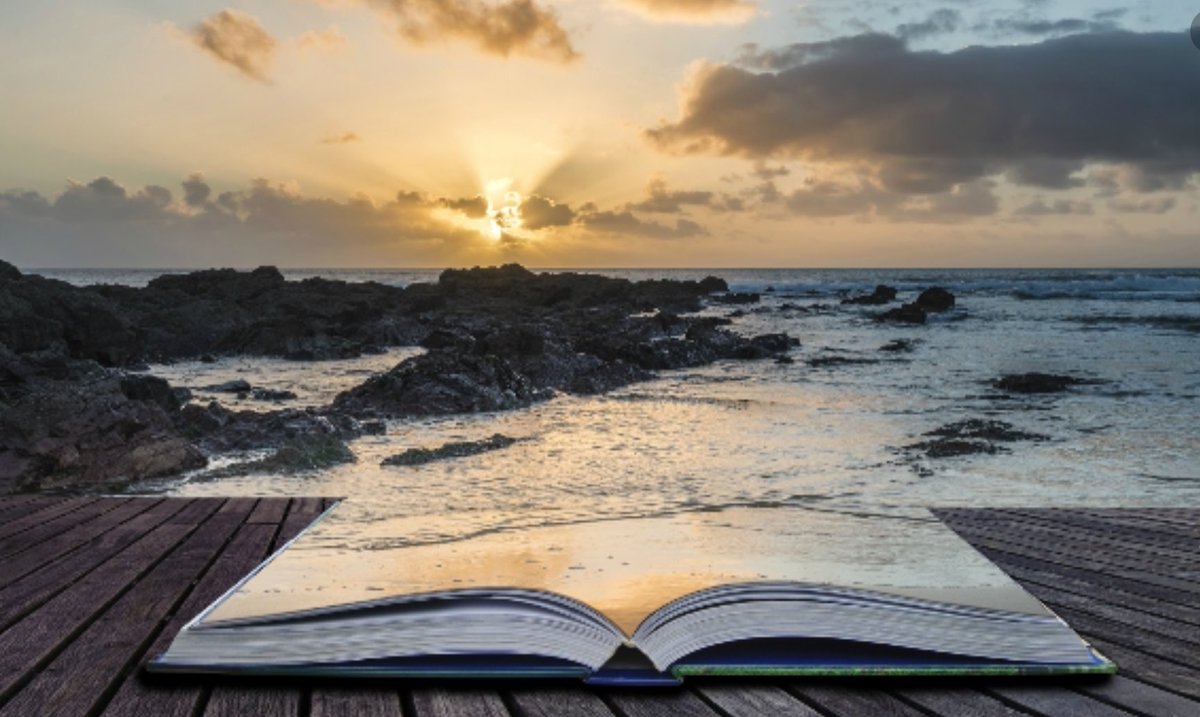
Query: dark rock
(712, 285)
(267, 394)
(737, 297)
(373, 428)
(8, 272)
(207, 358)
(150, 388)
(305, 453)
(935, 299)
(421, 456)
(838, 360)
(183, 394)
(883, 294)
(769, 290)
(785, 360)
(237, 385)
(906, 314)
(972, 436)
(441, 382)
(1035, 382)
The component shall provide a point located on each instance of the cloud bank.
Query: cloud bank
(704, 12)
(926, 122)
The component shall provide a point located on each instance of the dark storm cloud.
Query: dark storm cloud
(928, 121)
(237, 40)
(539, 212)
(939, 22)
(509, 27)
(196, 191)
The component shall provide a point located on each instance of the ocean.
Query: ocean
(831, 431)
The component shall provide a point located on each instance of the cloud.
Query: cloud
(237, 40)
(103, 222)
(475, 207)
(342, 138)
(626, 224)
(326, 40)
(665, 201)
(926, 122)
(704, 12)
(1040, 207)
(505, 28)
(939, 22)
(539, 213)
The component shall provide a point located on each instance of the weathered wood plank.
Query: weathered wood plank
(458, 702)
(32, 537)
(1064, 544)
(55, 514)
(849, 701)
(139, 695)
(1141, 698)
(1092, 525)
(1056, 701)
(956, 701)
(355, 702)
(750, 700)
(1144, 667)
(301, 513)
(254, 702)
(269, 511)
(93, 665)
(1061, 601)
(659, 703)
(25, 594)
(556, 701)
(15, 505)
(19, 565)
(33, 641)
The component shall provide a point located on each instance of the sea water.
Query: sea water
(820, 436)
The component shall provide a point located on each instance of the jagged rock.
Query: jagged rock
(971, 436)
(1035, 382)
(737, 297)
(267, 394)
(883, 294)
(906, 314)
(237, 385)
(935, 299)
(462, 449)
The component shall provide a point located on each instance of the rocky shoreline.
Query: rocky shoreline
(75, 413)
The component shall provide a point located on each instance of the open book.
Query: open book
(763, 591)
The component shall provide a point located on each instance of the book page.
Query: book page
(628, 568)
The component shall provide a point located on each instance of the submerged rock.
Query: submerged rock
(420, 456)
(972, 436)
(935, 299)
(883, 294)
(906, 314)
(268, 394)
(1035, 382)
(237, 385)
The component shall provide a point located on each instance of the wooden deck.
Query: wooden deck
(89, 587)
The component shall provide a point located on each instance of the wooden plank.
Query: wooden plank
(269, 510)
(1035, 580)
(254, 702)
(56, 513)
(30, 538)
(19, 565)
(1099, 606)
(93, 665)
(141, 695)
(845, 701)
(1150, 560)
(29, 644)
(1056, 701)
(1144, 667)
(957, 701)
(1104, 564)
(1088, 524)
(659, 703)
(1065, 529)
(750, 700)
(1141, 698)
(14, 505)
(556, 702)
(1168, 648)
(1008, 560)
(356, 702)
(457, 702)
(301, 513)
(24, 595)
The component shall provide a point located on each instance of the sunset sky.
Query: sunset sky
(598, 133)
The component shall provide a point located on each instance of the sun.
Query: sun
(503, 208)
